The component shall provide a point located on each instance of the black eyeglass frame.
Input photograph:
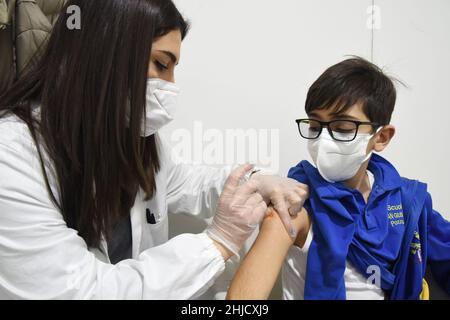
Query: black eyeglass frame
(374, 125)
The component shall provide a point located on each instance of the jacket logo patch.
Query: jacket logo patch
(416, 247)
(395, 215)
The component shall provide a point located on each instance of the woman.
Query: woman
(85, 186)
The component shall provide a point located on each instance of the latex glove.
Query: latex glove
(286, 195)
(240, 210)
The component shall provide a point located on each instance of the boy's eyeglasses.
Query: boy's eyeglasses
(340, 130)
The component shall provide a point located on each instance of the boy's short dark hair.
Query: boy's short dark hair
(353, 81)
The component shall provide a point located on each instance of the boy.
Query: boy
(365, 232)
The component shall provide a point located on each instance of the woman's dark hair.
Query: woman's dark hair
(353, 81)
(84, 82)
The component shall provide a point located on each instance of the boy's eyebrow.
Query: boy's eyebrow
(343, 116)
(335, 116)
(313, 115)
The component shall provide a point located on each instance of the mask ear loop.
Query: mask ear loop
(378, 130)
(373, 135)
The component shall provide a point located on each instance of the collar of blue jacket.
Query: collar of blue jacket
(372, 236)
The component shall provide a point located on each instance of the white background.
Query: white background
(249, 63)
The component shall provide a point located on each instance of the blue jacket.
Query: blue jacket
(397, 231)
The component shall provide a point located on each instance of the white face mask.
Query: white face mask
(161, 102)
(339, 161)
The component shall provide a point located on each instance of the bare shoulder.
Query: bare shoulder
(301, 223)
(304, 221)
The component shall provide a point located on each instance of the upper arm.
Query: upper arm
(301, 224)
(269, 250)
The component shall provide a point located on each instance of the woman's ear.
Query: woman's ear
(383, 138)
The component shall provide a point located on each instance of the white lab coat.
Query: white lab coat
(41, 258)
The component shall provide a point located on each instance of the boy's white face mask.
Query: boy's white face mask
(339, 161)
(161, 102)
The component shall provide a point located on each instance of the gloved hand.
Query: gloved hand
(286, 195)
(240, 209)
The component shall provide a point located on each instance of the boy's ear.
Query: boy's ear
(383, 138)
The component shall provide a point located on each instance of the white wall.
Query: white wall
(248, 64)
(414, 45)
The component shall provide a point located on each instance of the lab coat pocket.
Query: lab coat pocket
(157, 231)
